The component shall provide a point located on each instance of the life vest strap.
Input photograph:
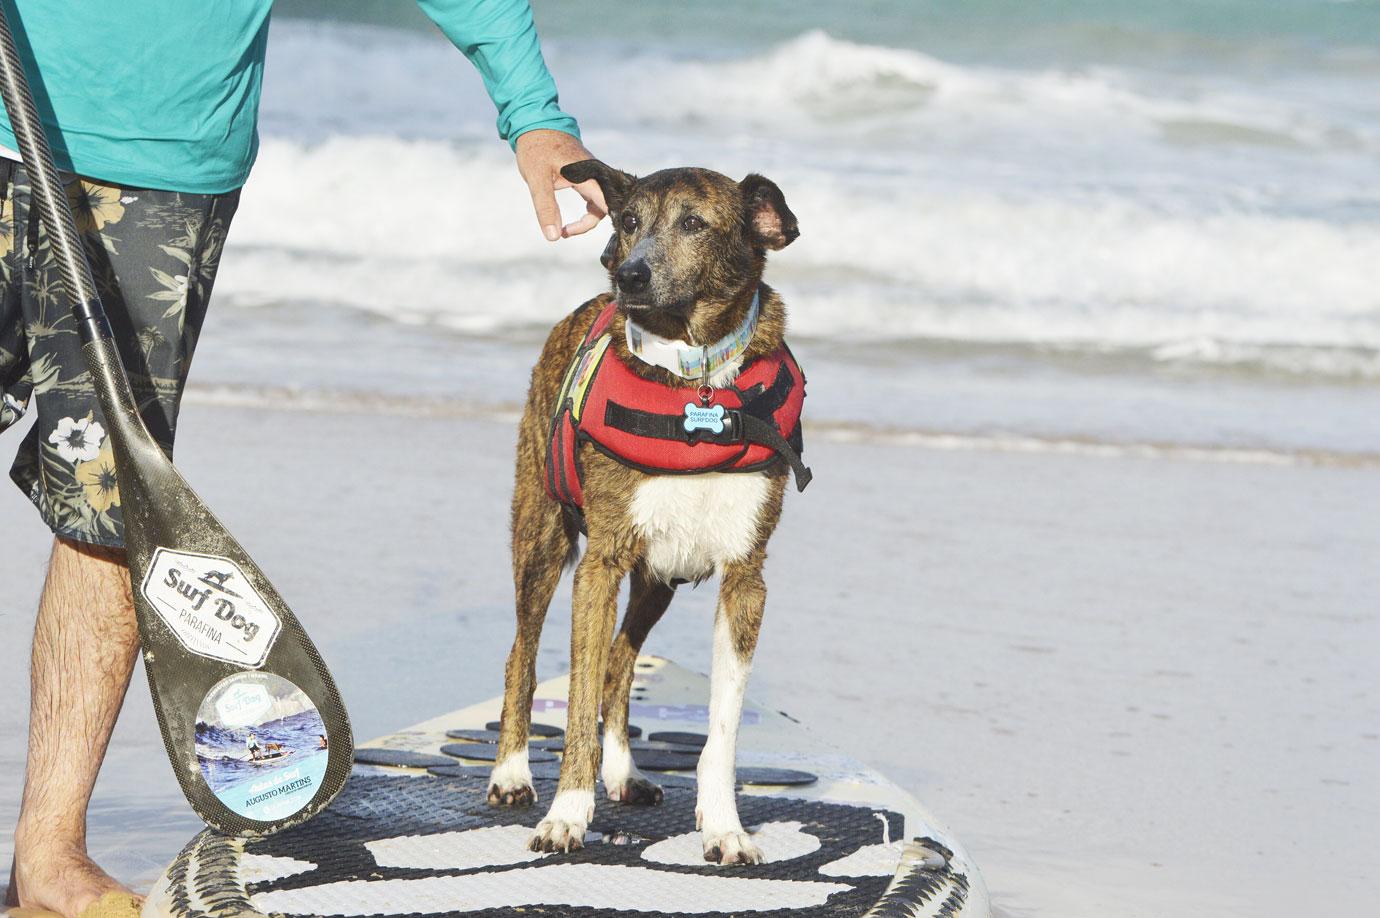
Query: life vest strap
(765, 402)
(739, 426)
(756, 430)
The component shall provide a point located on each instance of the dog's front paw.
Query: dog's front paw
(558, 835)
(563, 829)
(517, 794)
(733, 847)
(510, 783)
(635, 790)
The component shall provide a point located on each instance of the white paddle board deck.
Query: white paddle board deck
(418, 838)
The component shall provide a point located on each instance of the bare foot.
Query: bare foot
(65, 881)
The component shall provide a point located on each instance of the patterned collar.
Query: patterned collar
(689, 361)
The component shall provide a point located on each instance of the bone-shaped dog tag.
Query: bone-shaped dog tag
(709, 418)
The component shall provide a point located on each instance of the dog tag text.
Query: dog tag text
(701, 418)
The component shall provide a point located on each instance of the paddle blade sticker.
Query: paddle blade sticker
(211, 606)
(261, 745)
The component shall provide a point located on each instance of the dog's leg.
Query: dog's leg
(646, 604)
(541, 543)
(742, 598)
(594, 612)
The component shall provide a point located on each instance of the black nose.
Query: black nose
(634, 276)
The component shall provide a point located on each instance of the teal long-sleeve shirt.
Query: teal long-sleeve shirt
(165, 93)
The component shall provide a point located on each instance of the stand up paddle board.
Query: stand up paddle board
(412, 834)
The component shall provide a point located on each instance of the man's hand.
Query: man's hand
(540, 156)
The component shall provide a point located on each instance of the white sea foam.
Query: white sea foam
(1044, 208)
(456, 245)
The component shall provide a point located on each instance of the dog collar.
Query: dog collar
(689, 361)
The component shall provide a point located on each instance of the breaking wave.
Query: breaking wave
(456, 246)
(1051, 209)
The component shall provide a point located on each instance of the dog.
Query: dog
(688, 320)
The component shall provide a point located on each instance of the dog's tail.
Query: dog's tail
(570, 519)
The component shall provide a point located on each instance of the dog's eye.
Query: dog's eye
(692, 223)
(629, 223)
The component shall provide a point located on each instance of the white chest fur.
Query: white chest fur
(694, 524)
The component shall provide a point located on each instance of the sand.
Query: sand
(1132, 686)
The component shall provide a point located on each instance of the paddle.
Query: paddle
(233, 675)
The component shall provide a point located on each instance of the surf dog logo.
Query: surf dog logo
(210, 605)
(261, 745)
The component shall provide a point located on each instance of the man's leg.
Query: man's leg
(85, 643)
(154, 254)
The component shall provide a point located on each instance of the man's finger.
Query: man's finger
(583, 225)
(594, 197)
(544, 203)
(594, 209)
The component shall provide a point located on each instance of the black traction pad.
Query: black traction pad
(659, 746)
(544, 770)
(682, 739)
(557, 744)
(484, 752)
(634, 731)
(775, 777)
(550, 771)
(474, 736)
(665, 761)
(669, 779)
(335, 848)
(532, 730)
(456, 770)
(399, 758)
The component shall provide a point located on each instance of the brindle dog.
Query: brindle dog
(688, 253)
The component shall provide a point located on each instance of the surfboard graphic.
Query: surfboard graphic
(413, 835)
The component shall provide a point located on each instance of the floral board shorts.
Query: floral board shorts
(154, 255)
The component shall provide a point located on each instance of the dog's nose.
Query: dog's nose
(634, 276)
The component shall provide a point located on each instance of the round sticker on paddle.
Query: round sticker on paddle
(261, 745)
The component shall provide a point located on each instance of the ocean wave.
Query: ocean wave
(326, 78)
(825, 88)
(1158, 217)
(455, 245)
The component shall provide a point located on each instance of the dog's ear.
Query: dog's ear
(770, 222)
(614, 183)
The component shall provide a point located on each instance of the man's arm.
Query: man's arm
(500, 38)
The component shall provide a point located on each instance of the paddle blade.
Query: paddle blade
(254, 726)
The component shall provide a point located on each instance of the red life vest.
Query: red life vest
(660, 429)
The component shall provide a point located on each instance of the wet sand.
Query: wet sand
(1132, 686)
